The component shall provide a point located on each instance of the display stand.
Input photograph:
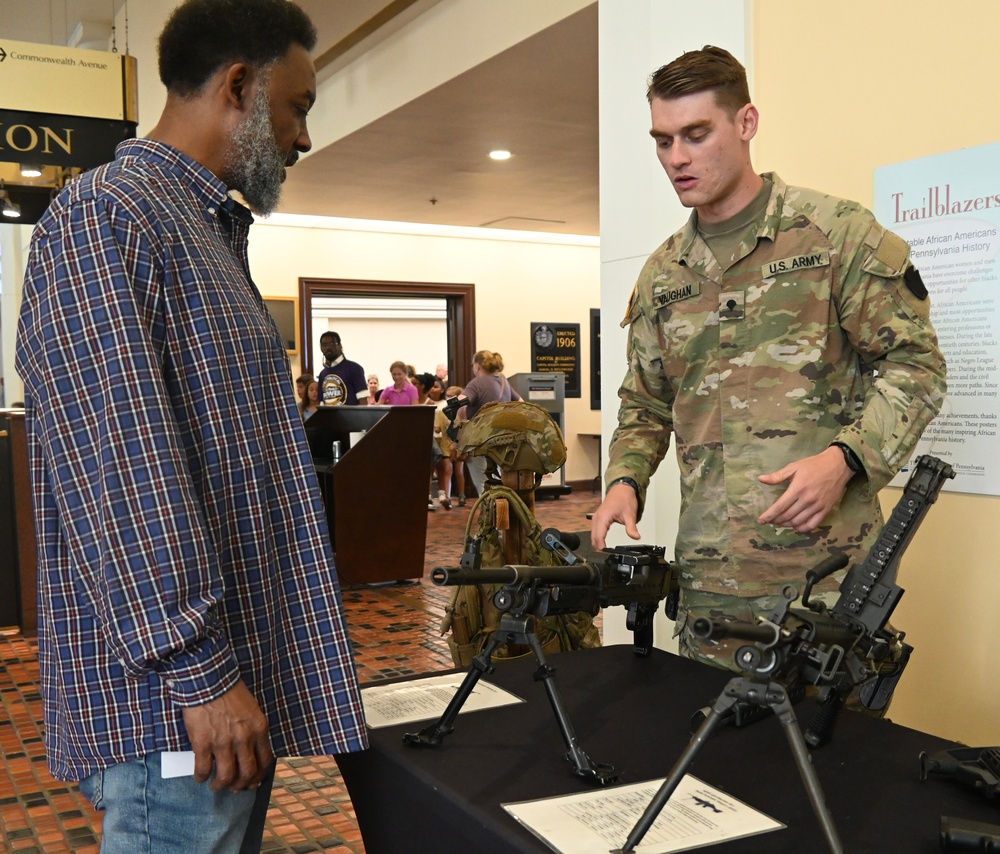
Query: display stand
(376, 494)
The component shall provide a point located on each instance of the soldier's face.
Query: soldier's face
(705, 152)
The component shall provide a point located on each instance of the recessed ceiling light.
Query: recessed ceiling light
(31, 170)
(500, 154)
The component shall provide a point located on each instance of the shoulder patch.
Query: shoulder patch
(915, 283)
(632, 311)
(892, 250)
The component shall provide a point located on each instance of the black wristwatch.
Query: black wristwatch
(627, 480)
(851, 458)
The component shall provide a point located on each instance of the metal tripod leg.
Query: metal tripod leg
(740, 689)
(481, 664)
(810, 780)
(719, 710)
(583, 766)
(516, 629)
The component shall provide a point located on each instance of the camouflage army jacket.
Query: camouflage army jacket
(819, 332)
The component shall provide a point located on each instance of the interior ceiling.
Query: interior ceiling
(427, 162)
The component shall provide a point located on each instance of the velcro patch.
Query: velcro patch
(665, 294)
(892, 251)
(820, 258)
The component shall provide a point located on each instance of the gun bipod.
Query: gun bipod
(517, 629)
(741, 690)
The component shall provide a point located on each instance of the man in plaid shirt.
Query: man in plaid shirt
(188, 596)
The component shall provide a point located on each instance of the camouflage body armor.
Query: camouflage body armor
(522, 440)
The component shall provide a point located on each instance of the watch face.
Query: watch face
(544, 336)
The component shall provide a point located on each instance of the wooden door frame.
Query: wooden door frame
(461, 304)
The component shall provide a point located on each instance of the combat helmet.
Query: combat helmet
(516, 436)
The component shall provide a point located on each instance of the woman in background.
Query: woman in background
(488, 385)
(373, 390)
(310, 400)
(427, 391)
(401, 392)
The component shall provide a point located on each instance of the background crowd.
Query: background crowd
(344, 382)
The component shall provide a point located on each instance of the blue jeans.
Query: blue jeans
(145, 814)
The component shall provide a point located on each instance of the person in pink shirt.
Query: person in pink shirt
(401, 392)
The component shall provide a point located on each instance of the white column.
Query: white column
(14, 241)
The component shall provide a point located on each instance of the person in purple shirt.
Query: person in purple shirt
(341, 381)
(488, 385)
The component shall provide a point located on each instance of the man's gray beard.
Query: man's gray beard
(254, 164)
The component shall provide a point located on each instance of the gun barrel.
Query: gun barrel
(706, 629)
(582, 574)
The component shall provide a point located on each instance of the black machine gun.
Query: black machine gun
(637, 577)
(839, 649)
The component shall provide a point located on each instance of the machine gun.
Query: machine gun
(635, 576)
(838, 649)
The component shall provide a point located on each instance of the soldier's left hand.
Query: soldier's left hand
(815, 486)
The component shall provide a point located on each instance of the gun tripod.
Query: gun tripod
(516, 628)
(741, 689)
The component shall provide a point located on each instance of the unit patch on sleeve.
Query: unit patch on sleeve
(796, 262)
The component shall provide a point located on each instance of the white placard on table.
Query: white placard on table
(426, 699)
(599, 821)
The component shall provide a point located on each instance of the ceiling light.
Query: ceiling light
(500, 154)
(31, 170)
(9, 209)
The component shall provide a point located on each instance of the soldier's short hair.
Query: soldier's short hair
(709, 69)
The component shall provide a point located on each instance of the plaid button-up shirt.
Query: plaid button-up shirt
(182, 543)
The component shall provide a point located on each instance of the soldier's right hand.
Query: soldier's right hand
(620, 505)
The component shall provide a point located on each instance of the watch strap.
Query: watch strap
(851, 458)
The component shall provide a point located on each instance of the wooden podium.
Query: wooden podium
(19, 572)
(376, 495)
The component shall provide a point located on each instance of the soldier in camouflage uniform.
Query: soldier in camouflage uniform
(783, 338)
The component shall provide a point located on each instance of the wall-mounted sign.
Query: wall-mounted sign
(555, 348)
(947, 207)
(595, 358)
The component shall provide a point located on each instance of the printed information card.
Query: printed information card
(599, 821)
(426, 699)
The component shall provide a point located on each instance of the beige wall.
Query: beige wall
(844, 88)
(516, 283)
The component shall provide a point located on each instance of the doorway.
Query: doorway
(435, 308)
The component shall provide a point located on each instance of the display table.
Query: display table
(634, 713)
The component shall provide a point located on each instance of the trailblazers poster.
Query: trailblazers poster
(947, 207)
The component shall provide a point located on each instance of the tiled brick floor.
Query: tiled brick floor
(395, 632)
